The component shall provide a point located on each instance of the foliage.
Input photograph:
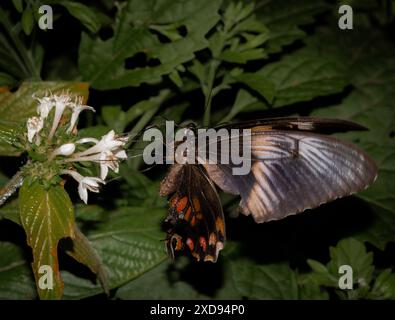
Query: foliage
(209, 61)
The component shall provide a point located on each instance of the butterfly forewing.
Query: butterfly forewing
(292, 171)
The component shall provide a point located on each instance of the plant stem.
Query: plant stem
(10, 188)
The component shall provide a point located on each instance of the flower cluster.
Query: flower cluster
(53, 137)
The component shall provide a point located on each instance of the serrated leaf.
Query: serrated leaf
(16, 107)
(47, 216)
(103, 62)
(353, 253)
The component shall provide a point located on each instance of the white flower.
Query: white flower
(61, 102)
(77, 108)
(64, 150)
(110, 160)
(85, 184)
(45, 106)
(121, 154)
(87, 140)
(34, 126)
(108, 142)
(91, 184)
(106, 159)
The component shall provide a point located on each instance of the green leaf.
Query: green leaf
(15, 275)
(371, 104)
(242, 102)
(27, 20)
(172, 280)
(82, 251)
(10, 211)
(268, 281)
(94, 131)
(317, 266)
(6, 79)
(304, 75)
(87, 15)
(259, 82)
(103, 62)
(129, 244)
(166, 278)
(309, 288)
(352, 253)
(18, 4)
(284, 17)
(175, 77)
(384, 286)
(114, 118)
(8, 137)
(16, 107)
(47, 216)
(243, 56)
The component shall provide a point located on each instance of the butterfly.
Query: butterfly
(295, 166)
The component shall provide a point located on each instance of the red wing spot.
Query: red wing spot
(173, 201)
(178, 244)
(203, 243)
(181, 204)
(190, 244)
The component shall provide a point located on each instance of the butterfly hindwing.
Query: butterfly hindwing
(195, 213)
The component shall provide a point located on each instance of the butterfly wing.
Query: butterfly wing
(195, 215)
(319, 125)
(292, 171)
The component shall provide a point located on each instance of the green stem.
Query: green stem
(11, 187)
(208, 90)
